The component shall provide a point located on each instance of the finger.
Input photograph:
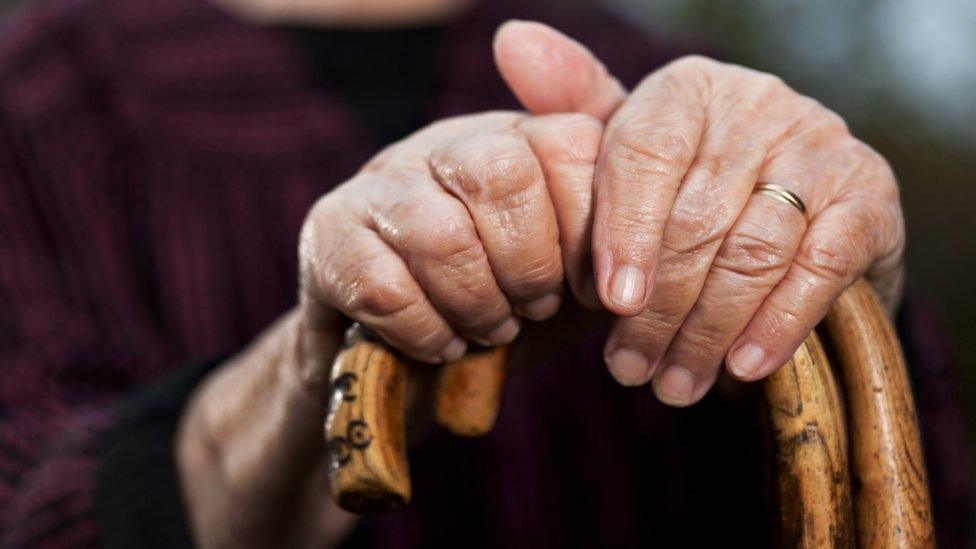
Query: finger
(753, 258)
(759, 249)
(567, 146)
(711, 196)
(434, 234)
(859, 227)
(647, 148)
(494, 172)
(549, 72)
(368, 282)
(838, 247)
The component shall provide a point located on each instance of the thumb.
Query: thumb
(550, 72)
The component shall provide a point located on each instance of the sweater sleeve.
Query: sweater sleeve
(47, 436)
(84, 460)
(137, 498)
(71, 350)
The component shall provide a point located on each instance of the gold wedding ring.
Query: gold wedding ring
(781, 193)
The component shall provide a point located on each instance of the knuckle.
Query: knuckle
(780, 321)
(369, 291)
(830, 121)
(889, 191)
(630, 233)
(704, 340)
(814, 124)
(536, 276)
(765, 83)
(579, 140)
(690, 230)
(883, 176)
(481, 318)
(471, 299)
(871, 176)
(490, 167)
(639, 152)
(647, 333)
(429, 340)
(692, 64)
(658, 322)
(627, 217)
(756, 92)
(449, 239)
(753, 255)
(690, 223)
(831, 259)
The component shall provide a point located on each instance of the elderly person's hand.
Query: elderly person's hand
(449, 236)
(454, 234)
(700, 268)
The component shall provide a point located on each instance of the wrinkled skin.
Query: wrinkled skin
(453, 235)
(701, 270)
(640, 204)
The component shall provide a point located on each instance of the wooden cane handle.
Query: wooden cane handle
(891, 506)
(468, 392)
(891, 498)
(881, 498)
(811, 467)
(365, 428)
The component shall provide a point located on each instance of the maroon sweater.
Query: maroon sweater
(156, 161)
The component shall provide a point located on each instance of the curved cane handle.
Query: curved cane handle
(468, 392)
(811, 467)
(891, 497)
(365, 429)
(885, 474)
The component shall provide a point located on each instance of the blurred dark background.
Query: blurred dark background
(902, 73)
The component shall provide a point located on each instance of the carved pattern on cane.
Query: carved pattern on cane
(357, 436)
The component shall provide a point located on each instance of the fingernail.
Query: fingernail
(628, 367)
(745, 361)
(675, 386)
(504, 333)
(627, 287)
(541, 308)
(454, 350)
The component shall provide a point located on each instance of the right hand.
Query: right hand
(451, 235)
(456, 232)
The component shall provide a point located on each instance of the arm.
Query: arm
(455, 234)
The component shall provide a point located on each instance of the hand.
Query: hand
(454, 234)
(700, 269)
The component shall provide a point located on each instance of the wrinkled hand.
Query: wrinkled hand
(451, 235)
(699, 268)
(457, 232)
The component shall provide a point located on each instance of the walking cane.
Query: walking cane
(849, 465)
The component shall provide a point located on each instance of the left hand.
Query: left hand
(699, 269)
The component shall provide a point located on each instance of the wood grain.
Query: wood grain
(364, 430)
(816, 477)
(891, 499)
(468, 392)
(811, 467)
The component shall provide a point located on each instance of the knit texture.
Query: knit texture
(156, 161)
